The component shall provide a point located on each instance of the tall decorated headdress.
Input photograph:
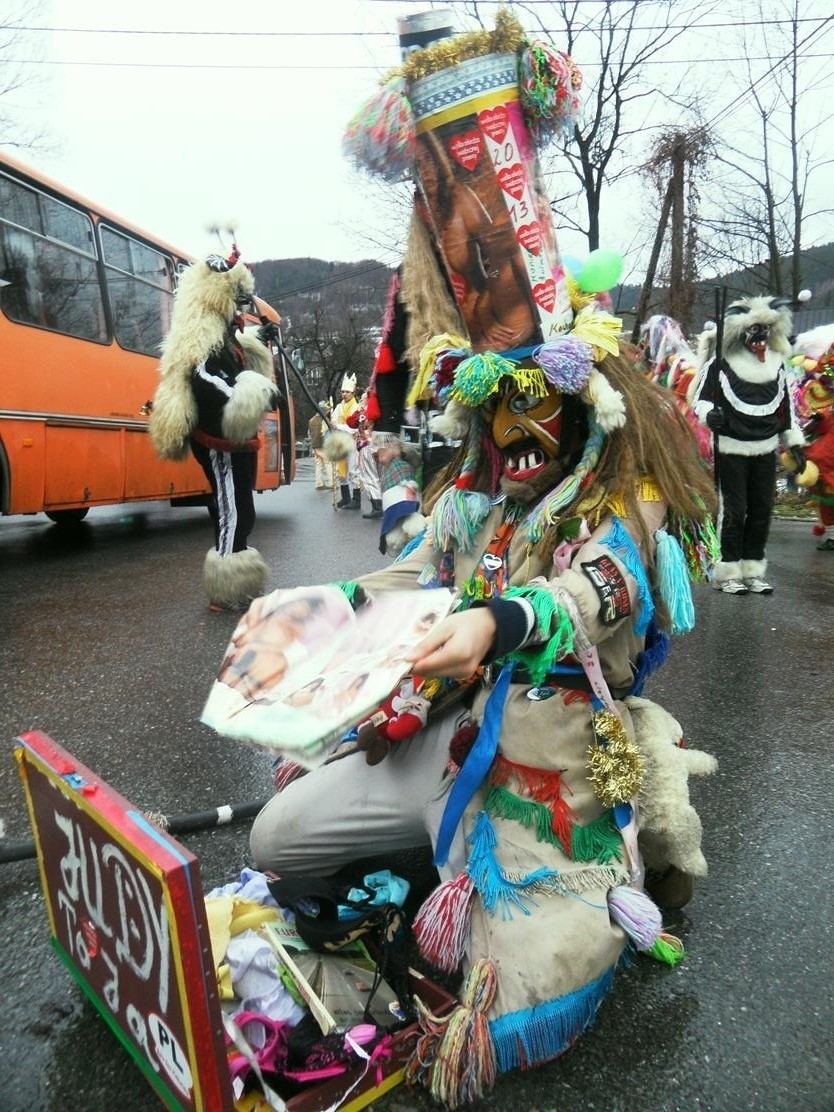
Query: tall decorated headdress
(466, 115)
(348, 384)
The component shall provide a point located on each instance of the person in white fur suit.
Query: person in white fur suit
(743, 397)
(215, 385)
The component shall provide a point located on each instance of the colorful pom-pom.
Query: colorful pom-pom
(477, 377)
(550, 84)
(566, 363)
(381, 137)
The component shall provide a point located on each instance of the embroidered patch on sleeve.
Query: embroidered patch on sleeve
(609, 584)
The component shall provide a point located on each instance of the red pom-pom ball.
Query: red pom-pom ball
(818, 530)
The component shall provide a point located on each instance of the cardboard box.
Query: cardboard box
(127, 918)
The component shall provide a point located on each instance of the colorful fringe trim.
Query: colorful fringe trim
(553, 626)
(699, 541)
(479, 377)
(639, 916)
(457, 517)
(622, 544)
(535, 1035)
(542, 787)
(673, 581)
(495, 887)
(381, 136)
(600, 841)
(455, 1056)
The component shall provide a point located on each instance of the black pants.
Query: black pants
(232, 477)
(747, 490)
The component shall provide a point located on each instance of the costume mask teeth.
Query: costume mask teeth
(527, 429)
(755, 340)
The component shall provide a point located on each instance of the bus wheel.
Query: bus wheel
(67, 517)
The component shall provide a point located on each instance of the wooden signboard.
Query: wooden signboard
(127, 918)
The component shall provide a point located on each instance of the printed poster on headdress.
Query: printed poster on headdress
(480, 180)
(303, 668)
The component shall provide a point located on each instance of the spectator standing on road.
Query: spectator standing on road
(346, 417)
(743, 397)
(315, 430)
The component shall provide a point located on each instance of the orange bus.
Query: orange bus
(85, 301)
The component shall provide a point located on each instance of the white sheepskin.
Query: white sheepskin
(338, 445)
(670, 829)
(251, 397)
(235, 579)
(453, 422)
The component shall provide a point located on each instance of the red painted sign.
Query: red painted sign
(127, 917)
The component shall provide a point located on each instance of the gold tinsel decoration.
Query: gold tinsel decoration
(615, 763)
(507, 38)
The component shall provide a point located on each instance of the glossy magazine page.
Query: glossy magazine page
(303, 668)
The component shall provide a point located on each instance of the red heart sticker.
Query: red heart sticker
(466, 149)
(460, 287)
(512, 180)
(544, 294)
(494, 121)
(530, 238)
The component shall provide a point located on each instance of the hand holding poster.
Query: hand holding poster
(302, 667)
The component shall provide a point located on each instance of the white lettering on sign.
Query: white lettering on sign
(138, 940)
(143, 932)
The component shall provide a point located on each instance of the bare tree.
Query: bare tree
(678, 162)
(615, 41)
(762, 211)
(17, 51)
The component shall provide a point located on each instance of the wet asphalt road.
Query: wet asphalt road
(106, 645)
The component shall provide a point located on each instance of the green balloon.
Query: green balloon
(601, 271)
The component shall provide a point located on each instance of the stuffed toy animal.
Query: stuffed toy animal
(670, 830)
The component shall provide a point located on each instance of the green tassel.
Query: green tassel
(598, 841)
(668, 949)
(552, 623)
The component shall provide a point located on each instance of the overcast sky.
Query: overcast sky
(175, 132)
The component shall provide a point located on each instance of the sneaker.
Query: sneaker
(827, 545)
(735, 586)
(758, 586)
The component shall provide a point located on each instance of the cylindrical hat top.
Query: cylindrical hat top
(419, 30)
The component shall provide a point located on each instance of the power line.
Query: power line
(375, 69)
(780, 62)
(390, 34)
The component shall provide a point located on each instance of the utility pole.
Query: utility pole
(651, 270)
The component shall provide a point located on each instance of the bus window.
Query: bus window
(140, 289)
(47, 257)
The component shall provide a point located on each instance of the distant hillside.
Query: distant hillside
(295, 287)
(817, 276)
